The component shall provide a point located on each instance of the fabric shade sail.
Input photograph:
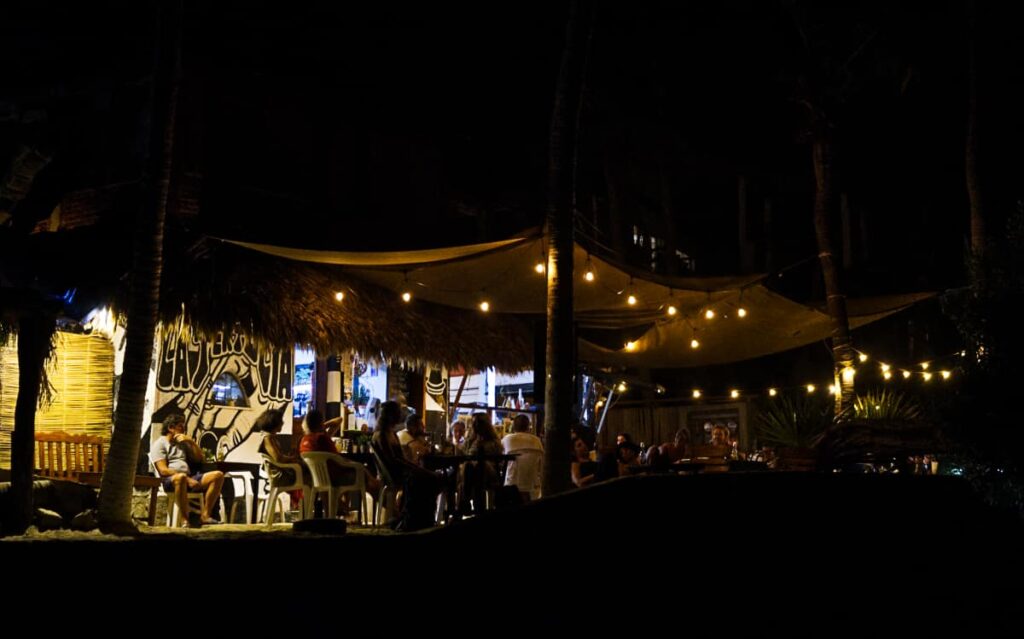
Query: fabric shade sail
(510, 277)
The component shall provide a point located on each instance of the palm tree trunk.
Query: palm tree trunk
(842, 343)
(147, 264)
(561, 365)
(35, 332)
(971, 148)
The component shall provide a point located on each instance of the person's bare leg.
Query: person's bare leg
(181, 496)
(212, 482)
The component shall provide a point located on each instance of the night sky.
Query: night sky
(397, 127)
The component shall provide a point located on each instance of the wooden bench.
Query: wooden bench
(80, 458)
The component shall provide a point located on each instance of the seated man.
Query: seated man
(413, 439)
(171, 454)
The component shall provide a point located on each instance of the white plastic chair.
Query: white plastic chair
(317, 463)
(243, 478)
(388, 493)
(173, 512)
(280, 488)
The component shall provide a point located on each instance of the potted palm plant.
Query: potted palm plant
(794, 427)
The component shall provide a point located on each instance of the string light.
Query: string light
(672, 310)
(630, 346)
(659, 389)
(694, 344)
(485, 306)
(848, 374)
(696, 393)
(339, 296)
(927, 377)
(631, 300)
(772, 392)
(946, 374)
(407, 297)
(810, 388)
(734, 393)
(741, 312)
(924, 366)
(588, 274)
(887, 375)
(906, 374)
(539, 268)
(622, 387)
(832, 390)
(863, 357)
(885, 368)
(709, 314)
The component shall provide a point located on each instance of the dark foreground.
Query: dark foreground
(807, 554)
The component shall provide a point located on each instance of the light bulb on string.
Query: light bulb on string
(622, 387)
(696, 393)
(832, 390)
(772, 392)
(694, 344)
(906, 374)
(539, 268)
(927, 376)
(946, 374)
(862, 357)
(588, 271)
(630, 346)
(848, 374)
(339, 296)
(734, 393)
(709, 314)
(924, 366)
(406, 293)
(810, 388)
(485, 306)
(885, 368)
(671, 310)
(741, 312)
(887, 375)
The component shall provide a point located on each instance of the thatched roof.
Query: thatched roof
(284, 302)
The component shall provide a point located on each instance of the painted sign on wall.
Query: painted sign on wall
(221, 385)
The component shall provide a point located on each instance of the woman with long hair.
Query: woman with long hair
(420, 487)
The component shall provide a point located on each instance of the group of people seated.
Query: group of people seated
(590, 465)
(401, 452)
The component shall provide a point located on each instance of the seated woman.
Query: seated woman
(583, 470)
(271, 422)
(420, 487)
(478, 476)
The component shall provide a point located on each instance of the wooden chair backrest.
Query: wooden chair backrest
(64, 455)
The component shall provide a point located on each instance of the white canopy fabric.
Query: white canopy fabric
(504, 275)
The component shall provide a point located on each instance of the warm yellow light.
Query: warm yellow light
(848, 373)
(924, 366)
(407, 297)
(589, 276)
(946, 374)
(630, 346)
(659, 389)
(906, 374)
(672, 310)
(696, 394)
(631, 300)
(709, 314)
(772, 392)
(734, 394)
(485, 306)
(622, 387)
(887, 375)
(339, 296)
(810, 388)
(927, 377)
(694, 343)
(863, 357)
(742, 312)
(885, 368)
(832, 389)
(599, 404)
(539, 267)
